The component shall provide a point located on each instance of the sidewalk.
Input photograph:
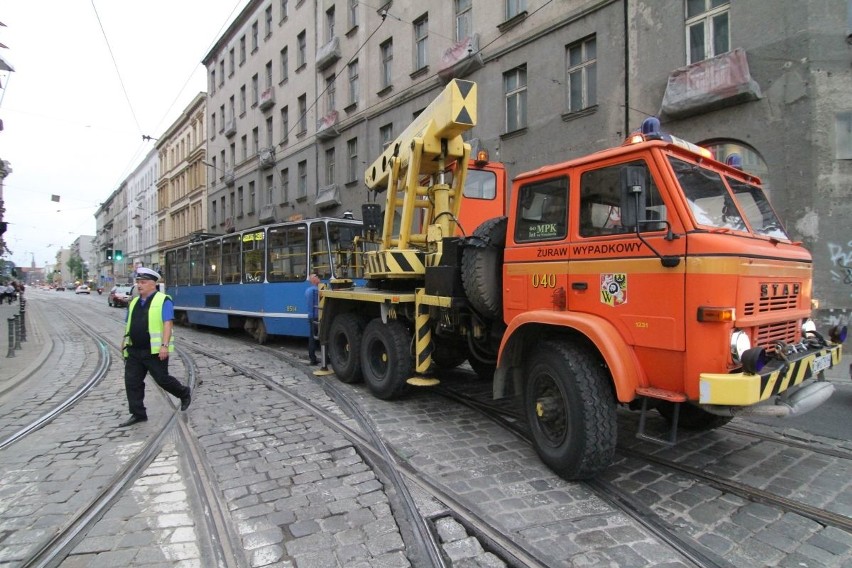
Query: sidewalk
(33, 351)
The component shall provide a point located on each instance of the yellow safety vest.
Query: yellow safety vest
(155, 323)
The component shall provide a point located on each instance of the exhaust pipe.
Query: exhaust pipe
(803, 400)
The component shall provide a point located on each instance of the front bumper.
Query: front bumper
(744, 389)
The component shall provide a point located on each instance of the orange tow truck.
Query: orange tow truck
(648, 275)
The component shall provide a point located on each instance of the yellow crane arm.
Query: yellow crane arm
(439, 126)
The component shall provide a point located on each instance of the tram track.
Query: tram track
(372, 446)
(63, 540)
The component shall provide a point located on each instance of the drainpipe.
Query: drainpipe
(627, 68)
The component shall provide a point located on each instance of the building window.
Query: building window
(329, 24)
(386, 135)
(232, 62)
(212, 81)
(251, 198)
(421, 37)
(303, 114)
(330, 94)
(387, 59)
(242, 100)
(244, 146)
(233, 154)
(843, 136)
(255, 88)
(708, 31)
(582, 75)
(255, 141)
(213, 214)
(329, 166)
(267, 18)
(268, 74)
(233, 210)
(285, 123)
(270, 188)
(352, 71)
(285, 65)
(285, 185)
(352, 169)
(221, 212)
(240, 201)
(221, 72)
(285, 11)
(232, 108)
(464, 19)
(254, 33)
(303, 179)
(269, 141)
(515, 7)
(302, 56)
(212, 126)
(515, 91)
(353, 13)
(222, 118)
(242, 50)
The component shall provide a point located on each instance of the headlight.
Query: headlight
(808, 326)
(740, 343)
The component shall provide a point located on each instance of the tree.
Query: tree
(76, 267)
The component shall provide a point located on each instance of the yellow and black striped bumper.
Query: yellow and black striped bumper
(743, 389)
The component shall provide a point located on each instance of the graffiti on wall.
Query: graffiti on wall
(841, 260)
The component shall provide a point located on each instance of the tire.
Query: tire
(448, 355)
(692, 417)
(344, 347)
(482, 268)
(570, 409)
(386, 358)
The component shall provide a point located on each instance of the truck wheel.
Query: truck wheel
(482, 268)
(344, 346)
(692, 417)
(570, 409)
(386, 358)
(448, 355)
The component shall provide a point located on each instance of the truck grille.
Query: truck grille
(784, 331)
(775, 304)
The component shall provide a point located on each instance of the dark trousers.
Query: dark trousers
(136, 366)
(312, 341)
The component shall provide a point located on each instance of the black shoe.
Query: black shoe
(133, 420)
(314, 362)
(185, 401)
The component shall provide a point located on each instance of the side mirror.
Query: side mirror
(633, 195)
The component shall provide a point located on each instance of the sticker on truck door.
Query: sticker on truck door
(614, 289)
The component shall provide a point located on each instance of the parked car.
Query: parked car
(120, 295)
(82, 289)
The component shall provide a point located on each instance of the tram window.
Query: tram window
(212, 261)
(182, 265)
(344, 255)
(196, 265)
(320, 258)
(231, 260)
(253, 245)
(171, 271)
(287, 250)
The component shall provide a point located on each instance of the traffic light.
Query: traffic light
(118, 255)
(109, 254)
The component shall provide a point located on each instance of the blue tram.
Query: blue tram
(256, 278)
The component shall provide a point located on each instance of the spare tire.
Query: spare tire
(482, 268)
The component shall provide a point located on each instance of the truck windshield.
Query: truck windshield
(713, 205)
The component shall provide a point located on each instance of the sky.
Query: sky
(91, 77)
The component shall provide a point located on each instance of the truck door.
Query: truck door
(618, 274)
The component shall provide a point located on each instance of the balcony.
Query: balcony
(267, 214)
(328, 196)
(328, 53)
(267, 98)
(266, 157)
(231, 127)
(327, 126)
(461, 59)
(229, 177)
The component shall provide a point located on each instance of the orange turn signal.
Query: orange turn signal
(706, 313)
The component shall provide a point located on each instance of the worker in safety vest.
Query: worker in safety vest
(146, 346)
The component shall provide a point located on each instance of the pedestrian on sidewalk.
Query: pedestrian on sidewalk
(312, 299)
(146, 346)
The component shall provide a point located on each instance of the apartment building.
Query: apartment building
(141, 212)
(302, 96)
(181, 205)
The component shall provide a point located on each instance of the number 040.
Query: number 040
(544, 281)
